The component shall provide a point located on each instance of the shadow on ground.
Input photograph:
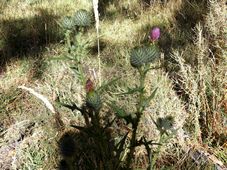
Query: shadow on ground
(91, 146)
(112, 8)
(182, 34)
(102, 8)
(82, 150)
(187, 17)
(27, 38)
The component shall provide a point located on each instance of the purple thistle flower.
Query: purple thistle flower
(155, 34)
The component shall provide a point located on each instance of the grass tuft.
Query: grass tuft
(191, 79)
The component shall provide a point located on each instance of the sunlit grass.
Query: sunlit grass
(125, 25)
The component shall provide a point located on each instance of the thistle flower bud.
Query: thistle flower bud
(155, 34)
(89, 86)
(93, 100)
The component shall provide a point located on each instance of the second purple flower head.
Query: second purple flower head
(155, 34)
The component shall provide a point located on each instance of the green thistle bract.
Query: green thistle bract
(165, 123)
(143, 55)
(67, 23)
(82, 18)
(93, 100)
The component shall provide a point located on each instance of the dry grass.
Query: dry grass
(193, 89)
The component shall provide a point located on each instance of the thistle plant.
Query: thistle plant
(141, 59)
(96, 139)
(109, 153)
(80, 19)
(76, 45)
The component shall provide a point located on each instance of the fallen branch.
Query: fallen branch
(48, 104)
(41, 97)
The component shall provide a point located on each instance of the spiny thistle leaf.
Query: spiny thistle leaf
(121, 145)
(143, 55)
(119, 111)
(82, 18)
(72, 106)
(107, 85)
(147, 101)
(132, 90)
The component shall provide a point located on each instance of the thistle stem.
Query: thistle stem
(132, 144)
(141, 95)
(155, 155)
(67, 37)
(138, 117)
